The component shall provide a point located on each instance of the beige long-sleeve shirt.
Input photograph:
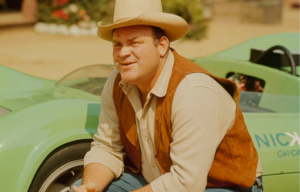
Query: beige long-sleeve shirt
(202, 112)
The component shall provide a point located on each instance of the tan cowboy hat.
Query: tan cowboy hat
(144, 12)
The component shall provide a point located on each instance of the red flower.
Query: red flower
(62, 2)
(60, 14)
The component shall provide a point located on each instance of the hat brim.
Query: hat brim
(174, 26)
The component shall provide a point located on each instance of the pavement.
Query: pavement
(54, 56)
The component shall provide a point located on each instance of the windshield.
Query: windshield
(90, 79)
(253, 98)
(268, 103)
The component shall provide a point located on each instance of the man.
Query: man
(174, 126)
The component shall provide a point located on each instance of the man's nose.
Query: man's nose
(125, 51)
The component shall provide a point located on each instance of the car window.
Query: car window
(90, 79)
(253, 98)
(247, 82)
(268, 103)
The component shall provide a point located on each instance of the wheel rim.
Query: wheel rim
(63, 177)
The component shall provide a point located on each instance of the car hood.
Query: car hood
(242, 51)
(18, 90)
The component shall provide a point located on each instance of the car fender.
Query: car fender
(29, 135)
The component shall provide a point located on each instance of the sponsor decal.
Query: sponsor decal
(288, 153)
(280, 139)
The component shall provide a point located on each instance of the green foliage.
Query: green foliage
(192, 12)
(102, 10)
(45, 11)
(96, 10)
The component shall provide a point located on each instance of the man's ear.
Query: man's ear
(163, 46)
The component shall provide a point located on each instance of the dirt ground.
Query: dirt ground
(53, 56)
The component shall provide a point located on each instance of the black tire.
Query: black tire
(68, 156)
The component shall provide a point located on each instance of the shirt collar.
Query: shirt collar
(161, 85)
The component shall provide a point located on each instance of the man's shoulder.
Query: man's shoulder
(113, 75)
(108, 88)
(198, 80)
(205, 83)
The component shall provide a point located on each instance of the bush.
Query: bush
(74, 11)
(192, 12)
(61, 12)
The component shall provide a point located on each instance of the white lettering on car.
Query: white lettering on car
(294, 137)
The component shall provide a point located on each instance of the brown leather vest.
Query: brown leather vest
(236, 158)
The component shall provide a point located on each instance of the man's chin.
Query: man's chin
(129, 79)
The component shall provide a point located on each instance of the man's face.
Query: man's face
(135, 55)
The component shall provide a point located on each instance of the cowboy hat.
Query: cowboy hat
(144, 12)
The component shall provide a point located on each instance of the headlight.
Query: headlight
(3, 111)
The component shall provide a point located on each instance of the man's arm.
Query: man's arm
(105, 159)
(93, 173)
(146, 188)
(96, 176)
(200, 119)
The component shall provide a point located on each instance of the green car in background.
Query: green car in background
(46, 126)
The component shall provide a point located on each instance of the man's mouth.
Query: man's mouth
(128, 63)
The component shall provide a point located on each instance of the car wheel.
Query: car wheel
(61, 169)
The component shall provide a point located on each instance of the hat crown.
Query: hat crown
(134, 8)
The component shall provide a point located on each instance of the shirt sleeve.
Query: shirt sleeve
(107, 147)
(200, 119)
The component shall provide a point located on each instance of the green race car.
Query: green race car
(46, 126)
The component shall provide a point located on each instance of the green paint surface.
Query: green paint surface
(242, 51)
(282, 182)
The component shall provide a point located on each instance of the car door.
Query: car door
(275, 134)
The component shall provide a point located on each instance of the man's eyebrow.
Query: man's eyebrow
(130, 39)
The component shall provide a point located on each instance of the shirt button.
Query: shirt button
(147, 138)
(152, 164)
